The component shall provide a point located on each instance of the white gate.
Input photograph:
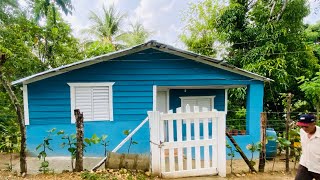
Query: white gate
(194, 146)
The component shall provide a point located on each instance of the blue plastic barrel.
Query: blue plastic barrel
(271, 146)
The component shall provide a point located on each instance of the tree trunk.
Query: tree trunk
(79, 151)
(272, 9)
(282, 9)
(262, 157)
(19, 112)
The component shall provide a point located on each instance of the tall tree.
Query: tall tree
(136, 35)
(106, 28)
(200, 33)
(20, 39)
(311, 88)
(266, 37)
(313, 39)
(19, 112)
(54, 43)
(17, 60)
(310, 83)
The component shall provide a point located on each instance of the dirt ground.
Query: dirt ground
(240, 171)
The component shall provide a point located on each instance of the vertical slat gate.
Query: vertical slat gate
(206, 137)
(190, 149)
(197, 138)
(179, 139)
(171, 139)
(188, 131)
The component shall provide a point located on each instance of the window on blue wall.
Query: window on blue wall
(93, 99)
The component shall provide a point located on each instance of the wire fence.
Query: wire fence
(275, 120)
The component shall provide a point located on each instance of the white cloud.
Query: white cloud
(163, 18)
(314, 15)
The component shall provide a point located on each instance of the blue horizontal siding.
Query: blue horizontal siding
(129, 105)
(133, 76)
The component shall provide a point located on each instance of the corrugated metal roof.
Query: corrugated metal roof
(150, 44)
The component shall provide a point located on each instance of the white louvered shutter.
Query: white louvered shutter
(94, 102)
(83, 101)
(100, 99)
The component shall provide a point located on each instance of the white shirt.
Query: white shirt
(310, 157)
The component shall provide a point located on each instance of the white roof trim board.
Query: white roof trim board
(151, 44)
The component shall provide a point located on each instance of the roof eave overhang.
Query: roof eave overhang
(80, 64)
(151, 44)
(212, 62)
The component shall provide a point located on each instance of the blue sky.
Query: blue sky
(163, 17)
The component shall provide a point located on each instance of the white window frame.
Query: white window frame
(198, 97)
(195, 98)
(91, 84)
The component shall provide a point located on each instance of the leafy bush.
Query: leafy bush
(93, 176)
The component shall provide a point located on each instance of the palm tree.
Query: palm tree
(137, 35)
(107, 27)
(41, 8)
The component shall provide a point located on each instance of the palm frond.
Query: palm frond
(107, 26)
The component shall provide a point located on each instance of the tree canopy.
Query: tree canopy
(265, 37)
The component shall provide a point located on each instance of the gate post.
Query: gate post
(222, 156)
(154, 125)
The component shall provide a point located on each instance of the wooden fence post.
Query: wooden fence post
(154, 124)
(262, 157)
(79, 151)
(289, 97)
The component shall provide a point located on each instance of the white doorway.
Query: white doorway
(162, 101)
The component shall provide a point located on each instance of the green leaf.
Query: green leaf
(271, 138)
(126, 132)
(95, 139)
(52, 130)
(104, 137)
(39, 146)
(72, 149)
(55, 31)
(45, 164)
(252, 163)
(286, 143)
(60, 132)
(87, 140)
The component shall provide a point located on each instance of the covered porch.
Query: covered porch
(167, 98)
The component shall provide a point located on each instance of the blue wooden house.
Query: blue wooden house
(115, 91)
